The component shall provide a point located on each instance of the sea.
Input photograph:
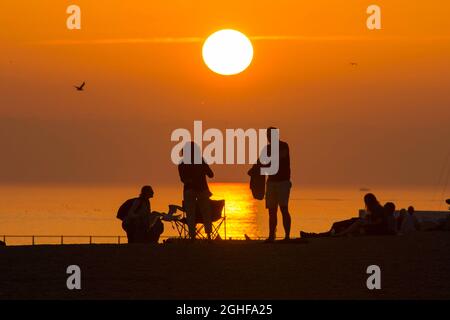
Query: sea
(87, 214)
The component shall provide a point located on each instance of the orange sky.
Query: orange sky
(385, 122)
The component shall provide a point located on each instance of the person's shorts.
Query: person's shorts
(277, 193)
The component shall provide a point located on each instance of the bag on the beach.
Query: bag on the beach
(257, 182)
(124, 209)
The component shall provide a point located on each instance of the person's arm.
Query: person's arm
(265, 151)
(134, 207)
(153, 217)
(255, 169)
(182, 173)
(284, 151)
(208, 170)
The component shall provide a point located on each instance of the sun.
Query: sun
(227, 52)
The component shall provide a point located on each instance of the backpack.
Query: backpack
(124, 209)
(257, 182)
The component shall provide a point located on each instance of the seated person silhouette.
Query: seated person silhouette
(407, 221)
(374, 223)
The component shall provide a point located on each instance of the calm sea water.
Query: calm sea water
(75, 210)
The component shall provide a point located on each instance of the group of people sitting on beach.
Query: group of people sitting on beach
(379, 220)
(143, 225)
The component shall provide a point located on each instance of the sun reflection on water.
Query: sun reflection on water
(241, 209)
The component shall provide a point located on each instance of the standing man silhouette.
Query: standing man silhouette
(278, 188)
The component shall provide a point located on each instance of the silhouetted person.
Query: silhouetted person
(373, 223)
(195, 189)
(278, 188)
(370, 224)
(389, 221)
(402, 213)
(407, 221)
(140, 224)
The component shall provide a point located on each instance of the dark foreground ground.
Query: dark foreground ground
(413, 267)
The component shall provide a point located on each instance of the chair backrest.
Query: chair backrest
(216, 210)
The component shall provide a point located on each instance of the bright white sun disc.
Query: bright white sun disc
(227, 52)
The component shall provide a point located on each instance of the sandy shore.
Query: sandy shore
(413, 267)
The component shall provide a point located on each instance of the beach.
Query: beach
(412, 266)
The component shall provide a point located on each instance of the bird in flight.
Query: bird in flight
(80, 88)
(354, 64)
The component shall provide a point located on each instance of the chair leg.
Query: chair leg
(199, 232)
(216, 229)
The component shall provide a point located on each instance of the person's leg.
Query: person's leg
(272, 223)
(155, 232)
(125, 227)
(189, 207)
(356, 226)
(272, 207)
(286, 221)
(130, 236)
(141, 230)
(205, 208)
(283, 192)
(132, 231)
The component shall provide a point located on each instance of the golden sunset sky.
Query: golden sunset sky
(385, 122)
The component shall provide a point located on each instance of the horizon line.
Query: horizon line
(182, 40)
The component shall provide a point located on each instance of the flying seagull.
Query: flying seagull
(354, 64)
(80, 88)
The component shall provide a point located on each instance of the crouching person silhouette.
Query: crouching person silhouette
(138, 221)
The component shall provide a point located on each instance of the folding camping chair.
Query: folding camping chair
(218, 218)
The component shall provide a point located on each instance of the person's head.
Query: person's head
(389, 208)
(146, 192)
(269, 133)
(411, 210)
(191, 152)
(402, 212)
(370, 201)
(447, 201)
